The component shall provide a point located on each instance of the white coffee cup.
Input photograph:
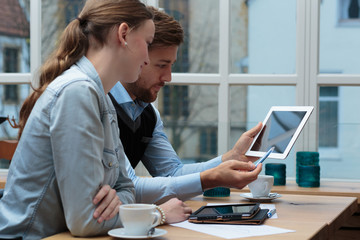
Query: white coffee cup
(261, 187)
(138, 219)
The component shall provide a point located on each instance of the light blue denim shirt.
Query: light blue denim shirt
(69, 148)
(172, 178)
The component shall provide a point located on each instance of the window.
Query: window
(56, 14)
(11, 94)
(200, 50)
(180, 11)
(349, 14)
(328, 117)
(176, 101)
(208, 142)
(270, 65)
(11, 65)
(14, 61)
(338, 84)
(11, 60)
(186, 111)
(353, 9)
(239, 58)
(72, 9)
(263, 41)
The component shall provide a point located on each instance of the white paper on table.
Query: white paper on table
(235, 231)
(232, 231)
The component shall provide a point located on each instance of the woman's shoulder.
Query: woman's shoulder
(72, 78)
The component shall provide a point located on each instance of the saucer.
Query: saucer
(250, 197)
(120, 233)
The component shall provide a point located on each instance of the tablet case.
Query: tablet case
(225, 212)
(259, 218)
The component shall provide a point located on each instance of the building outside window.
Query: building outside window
(208, 142)
(11, 65)
(349, 13)
(328, 117)
(14, 61)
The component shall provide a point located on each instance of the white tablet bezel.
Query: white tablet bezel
(307, 109)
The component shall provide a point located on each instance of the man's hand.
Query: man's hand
(232, 173)
(108, 204)
(175, 210)
(242, 145)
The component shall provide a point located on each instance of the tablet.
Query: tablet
(224, 213)
(281, 128)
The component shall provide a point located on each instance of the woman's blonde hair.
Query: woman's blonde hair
(95, 20)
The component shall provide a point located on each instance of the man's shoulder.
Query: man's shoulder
(151, 111)
(155, 111)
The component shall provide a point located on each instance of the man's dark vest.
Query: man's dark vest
(135, 135)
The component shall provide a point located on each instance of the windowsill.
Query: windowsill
(348, 23)
(327, 187)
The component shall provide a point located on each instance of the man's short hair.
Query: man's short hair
(168, 31)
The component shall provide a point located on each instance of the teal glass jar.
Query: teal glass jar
(217, 192)
(278, 170)
(309, 176)
(305, 158)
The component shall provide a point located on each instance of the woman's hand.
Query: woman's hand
(107, 202)
(175, 211)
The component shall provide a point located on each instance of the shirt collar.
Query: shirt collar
(87, 67)
(122, 96)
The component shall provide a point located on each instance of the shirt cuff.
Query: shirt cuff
(215, 161)
(188, 186)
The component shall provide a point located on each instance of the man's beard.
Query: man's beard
(141, 93)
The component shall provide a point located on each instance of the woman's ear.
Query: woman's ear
(123, 30)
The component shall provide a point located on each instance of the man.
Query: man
(141, 131)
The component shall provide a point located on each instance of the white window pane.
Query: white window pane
(11, 100)
(263, 36)
(15, 37)
(56, 15)
(342, 128)
(339, 42)
(200, 20)
(190, 119)
(249, 106)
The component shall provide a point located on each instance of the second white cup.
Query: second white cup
(138, 219)
(261, 187)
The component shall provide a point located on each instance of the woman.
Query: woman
(69, 146)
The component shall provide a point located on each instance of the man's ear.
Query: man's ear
(123, 30)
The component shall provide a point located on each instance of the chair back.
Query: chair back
(7, 149)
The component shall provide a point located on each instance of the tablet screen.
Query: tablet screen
(227, 209)
(278, 131)
(281, 128)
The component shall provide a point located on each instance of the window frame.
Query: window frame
(35, 48)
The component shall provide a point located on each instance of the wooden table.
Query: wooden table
(349, 228)
(312, 217)
(327, 188)
(2, 180)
